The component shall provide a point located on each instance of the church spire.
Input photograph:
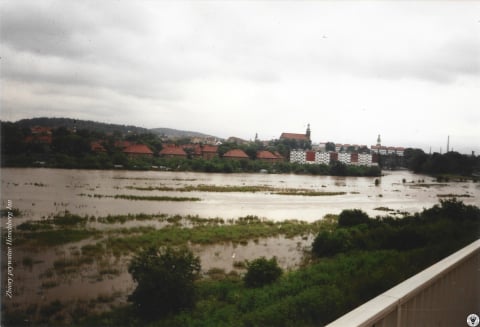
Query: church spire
(379, 141)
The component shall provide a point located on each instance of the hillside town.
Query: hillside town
(58, 143)
(300, 149)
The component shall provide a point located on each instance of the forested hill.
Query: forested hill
(176, 133)
(103, 127)
(80, 124)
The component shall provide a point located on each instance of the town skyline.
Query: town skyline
(198, 136)
(353, 70)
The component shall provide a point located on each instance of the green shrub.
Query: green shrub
(165, 281)
(353, 217)
(261, 272)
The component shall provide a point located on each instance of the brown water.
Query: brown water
(40, 193)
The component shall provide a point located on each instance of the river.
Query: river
(41, 192)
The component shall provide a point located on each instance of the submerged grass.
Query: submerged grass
(213, 231)
(142, 198)
(54, 237)
(450, 195)
(234, 188)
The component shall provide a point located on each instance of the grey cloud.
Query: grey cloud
(44, 28)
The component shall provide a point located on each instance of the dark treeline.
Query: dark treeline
(440, 164)
(350, 264)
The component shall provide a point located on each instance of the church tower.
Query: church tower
(307, 134)
(379, 141)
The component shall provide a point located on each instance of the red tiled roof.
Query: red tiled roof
(170, 151)
(266, 155)
(235, 153)
(210, 148)
(41, 130)
(122, 144)
(39, 138)
(97, 147)
(278, 155)
(138, 149)
(195, 148)
(293, 136)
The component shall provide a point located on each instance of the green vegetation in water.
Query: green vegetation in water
(450, 195)
(142, 198)
(383, 209)
(310, 193)
(53, 237)
(229, 188)
(210, 232)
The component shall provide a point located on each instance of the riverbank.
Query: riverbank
(215, 165)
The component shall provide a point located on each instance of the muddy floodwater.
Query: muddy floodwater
(98, 282)
(41, 192)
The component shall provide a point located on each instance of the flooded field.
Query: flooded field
(40, 192)
(79, 228)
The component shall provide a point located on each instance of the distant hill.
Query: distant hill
(80, 124)
(104, 127)
(177, 133)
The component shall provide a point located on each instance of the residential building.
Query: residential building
(235, 154)
(209, 151)
(267, 156)
(325, 158)
(138, 150)
(173, 152)
(97, 146)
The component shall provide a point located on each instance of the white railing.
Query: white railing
(444, 294)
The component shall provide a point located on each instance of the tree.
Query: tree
(165, 281)
(330, 146)
(330, 243)
(353, 217)
(338, 168)
(261, 272)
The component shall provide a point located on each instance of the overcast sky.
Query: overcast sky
(409, 71)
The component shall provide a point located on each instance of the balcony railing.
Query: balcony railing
(444, 294)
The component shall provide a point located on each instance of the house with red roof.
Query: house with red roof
(39, 138)
(122, 144)
(235, 154)
(138, 150)
(209, 151)
(267, 156)
(173, 152)
(96, 146)
(193, 150)
(41, 130)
